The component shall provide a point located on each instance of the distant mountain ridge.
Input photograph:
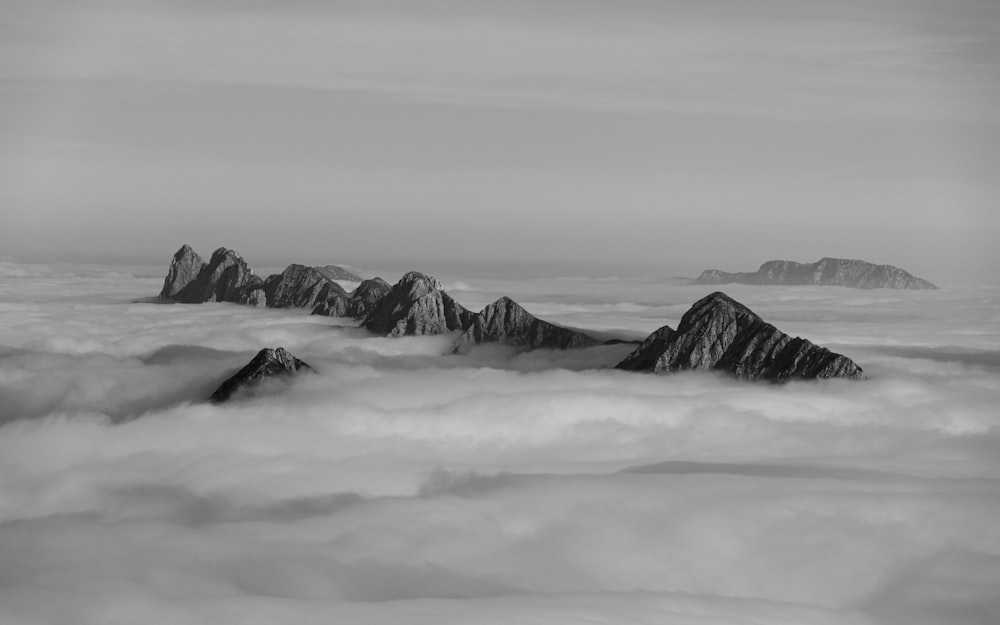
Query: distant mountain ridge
(856, 274)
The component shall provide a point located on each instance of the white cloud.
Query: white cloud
(493, 487)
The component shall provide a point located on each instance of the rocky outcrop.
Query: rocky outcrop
(358, 304)
(856, 274)
(414, 306)
(184, 269)
(649, 351)
(225, 278)
(417, 305)
(336, 272)
(505, 321)
(299, 286)
(268, 363)
(228, 278)
(719, 333)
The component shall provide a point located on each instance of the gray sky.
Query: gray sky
(680, 133)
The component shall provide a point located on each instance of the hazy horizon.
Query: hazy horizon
(684, 134)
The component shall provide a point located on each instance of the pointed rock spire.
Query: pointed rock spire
(268, 363)
(184, 269)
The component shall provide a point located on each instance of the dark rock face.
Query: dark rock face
(299, 286)
(225, 278)
(228, 278)
(335, 272)
(184, 269)
(505, 321)
(416, 305)
(367, 296)
(856, 274)
(268, 363)
(358, 304)
(720, 333)
(649, 351)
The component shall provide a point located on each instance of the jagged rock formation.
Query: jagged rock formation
(268, 363)
(649, 351)
(336, 272)
(299, 286)
(228, 278)
(505, 321)
(358, 304)
(225, 278)
(184, 269)
(856, 274)
(720, 333)
(366, 296)
(416, 305)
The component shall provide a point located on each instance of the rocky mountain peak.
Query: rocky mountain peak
(225, 278)
(300, 286)
(268, 363)
(505, 321)
(716, 307)
(719, 333)
(418, 284)
(184, 269)
(416, 305)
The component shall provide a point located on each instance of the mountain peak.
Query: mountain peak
(719, 333)
(505, 321)
(416, 305)
(268, 363)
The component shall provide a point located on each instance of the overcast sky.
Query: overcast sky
(678, 133)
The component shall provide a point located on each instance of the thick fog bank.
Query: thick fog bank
(403, 484)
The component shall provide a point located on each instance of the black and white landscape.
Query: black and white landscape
(470, 313)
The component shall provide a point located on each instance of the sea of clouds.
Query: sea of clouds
(405, 484)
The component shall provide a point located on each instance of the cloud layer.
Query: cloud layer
(400, 484)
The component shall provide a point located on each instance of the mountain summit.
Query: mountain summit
(268, 363)
(719, 333)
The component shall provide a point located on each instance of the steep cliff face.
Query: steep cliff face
(416, 305)
(505, 321)
(719, 333)
(268, 363)
(299, 286)
(225, 278)
(856, 274)
(184, 269)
